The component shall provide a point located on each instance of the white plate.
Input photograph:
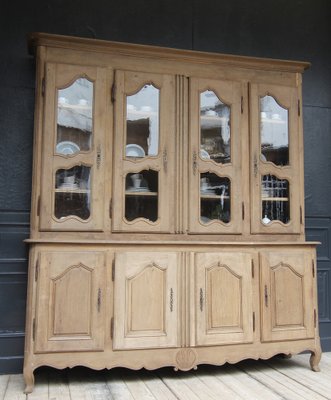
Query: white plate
(204, 154)
(67, 148)
(71, 186)
(134, 150)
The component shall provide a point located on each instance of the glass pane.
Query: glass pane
(141, 195)
(215, 201)
(215, 131)
(275, 199)
(74, 117)
(72, 192)
(142, 122)
(274, 131)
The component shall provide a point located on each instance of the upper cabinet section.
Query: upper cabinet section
(144, 140)
(275, 164)
(143, 195)
(72, 189)
(215, 192)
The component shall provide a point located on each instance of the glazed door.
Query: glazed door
(287, 295)
(72, 194)
(146, 300)
(143, 192)
(276, 149)
(70, 302)
(217, 131)
(223, 298)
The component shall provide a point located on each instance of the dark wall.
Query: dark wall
(295, 29)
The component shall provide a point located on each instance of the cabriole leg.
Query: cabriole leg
(314, 360)
(29, 380)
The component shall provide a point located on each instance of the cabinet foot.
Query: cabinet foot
(314, 360)
(29, 381)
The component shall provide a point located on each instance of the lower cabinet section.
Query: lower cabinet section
(103, 306)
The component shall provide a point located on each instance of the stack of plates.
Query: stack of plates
(70, 186)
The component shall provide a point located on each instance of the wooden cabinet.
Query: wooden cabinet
(167, 219)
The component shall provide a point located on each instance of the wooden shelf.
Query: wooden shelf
(76, 191)
(274, 198)
(148, 194)
(213, 197)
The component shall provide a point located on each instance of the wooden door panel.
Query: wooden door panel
(218, 211)
(287, 285)
(148, 210)
(146, 300)
(269, 199)
(69, 302)
(224, 298)
(79, 207)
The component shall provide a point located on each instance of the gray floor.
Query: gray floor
(273, 379)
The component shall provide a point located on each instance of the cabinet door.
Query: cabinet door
(143, 192)
(287, 295)
(224, 298)
(276, 162)
(70, 310)
(217, 131)
(146, 300)
(72, 191)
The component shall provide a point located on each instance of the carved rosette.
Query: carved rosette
(186, 359)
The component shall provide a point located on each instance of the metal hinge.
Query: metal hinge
(243, 210)
(99, 300)
(253, 321)
(299, 108)
(110, 208)
(252, 264)
(300, 215)
(242, 104)
(34, 329)
(112, 328)
(43, 87)
(113, 93)
(38, 206)
(36, 271)
(313, 268)
(266, 295)
(113, 271)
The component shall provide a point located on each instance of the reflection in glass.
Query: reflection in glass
(142, 122)
(72, 192)
(215, 200)
(274, 131)
(275, 199)
(74, 117)
(215, 131)
(141, 195)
